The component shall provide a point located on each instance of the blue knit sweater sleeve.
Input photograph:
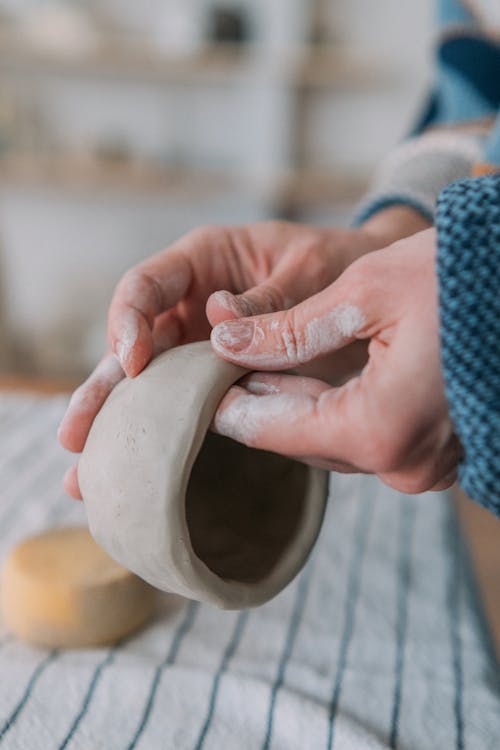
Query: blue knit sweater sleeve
(468, 226)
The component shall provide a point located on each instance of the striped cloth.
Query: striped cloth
(377, 644)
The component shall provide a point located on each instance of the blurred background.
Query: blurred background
(124, 123)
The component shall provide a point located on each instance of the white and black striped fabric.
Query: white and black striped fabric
(377, 644)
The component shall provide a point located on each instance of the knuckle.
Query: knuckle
(127, 280)
(133, 281)
(204, 233)
(313, 257)
(358, 279)
(267, 299)
(202, 239)
(319, 252)
(292, 341)
(138, 288)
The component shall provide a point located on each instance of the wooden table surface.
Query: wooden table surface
(481, 528)
(482, 534)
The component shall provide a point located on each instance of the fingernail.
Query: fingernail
(67, 474)
(233, 336)
(261, 388)
(129, 333)
(122, 352)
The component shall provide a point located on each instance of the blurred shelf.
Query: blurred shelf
(68, 172)
(41, 386)
(315, 188)
(300, 188)
(328, 67)
(215, 64)
(315, 66)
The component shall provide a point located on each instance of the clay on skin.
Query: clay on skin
(240, 339)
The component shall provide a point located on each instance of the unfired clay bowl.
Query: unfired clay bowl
(187, 510)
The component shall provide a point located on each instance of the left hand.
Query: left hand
(214, 274)
(392, 420)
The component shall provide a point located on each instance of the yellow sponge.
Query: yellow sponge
(60, 589)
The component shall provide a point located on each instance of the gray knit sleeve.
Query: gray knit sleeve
(418, 169)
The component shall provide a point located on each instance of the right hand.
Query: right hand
(210, 275)
(392, 419)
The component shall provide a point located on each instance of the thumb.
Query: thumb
(321, 324)
(297, 416)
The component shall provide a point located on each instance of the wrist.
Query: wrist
(393, 224)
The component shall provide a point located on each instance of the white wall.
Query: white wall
(61, 252)
(354, 128)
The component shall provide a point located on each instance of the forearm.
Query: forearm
(395, 223)
(344, 246)
(416, 172)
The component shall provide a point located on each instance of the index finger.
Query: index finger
(144, 292)
(86, 402)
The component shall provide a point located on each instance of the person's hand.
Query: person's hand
(210, 275)
(391, 420)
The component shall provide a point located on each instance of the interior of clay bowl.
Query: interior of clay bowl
(243, 508)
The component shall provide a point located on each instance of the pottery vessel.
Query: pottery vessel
(187, 510)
